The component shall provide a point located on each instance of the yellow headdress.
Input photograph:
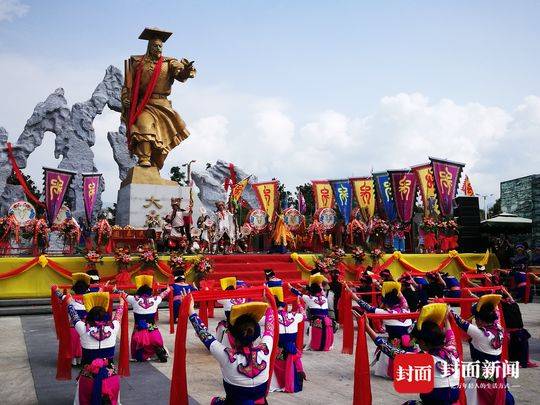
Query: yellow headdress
(255, 309)
(388, 286)
(432, 312)
(143, 280)
(81, 277)
(317, 279)
(227, 282)
(96, 299)
(277, 292)
(488, 299)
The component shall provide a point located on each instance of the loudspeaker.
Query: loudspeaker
(467, 214)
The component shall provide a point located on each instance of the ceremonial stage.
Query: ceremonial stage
(32, 277)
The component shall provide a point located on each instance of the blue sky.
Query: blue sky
(368, 73)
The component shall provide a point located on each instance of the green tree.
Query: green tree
(307, 192)
(179, 175)
(495, 209)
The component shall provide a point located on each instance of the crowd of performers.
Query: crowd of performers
(242, 342)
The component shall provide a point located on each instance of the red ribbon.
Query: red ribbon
(123, 358)
(137, 106)
(20, 177)
(348, 324)
(19, 270)
(362, 382)
(63, 363)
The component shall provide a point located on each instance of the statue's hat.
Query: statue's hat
(153, 32)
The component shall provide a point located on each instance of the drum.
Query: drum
(257, 220)
(328, 218)
(293, 219)
(24, 212)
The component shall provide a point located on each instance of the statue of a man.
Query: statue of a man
(153, 127)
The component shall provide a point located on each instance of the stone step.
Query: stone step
(21, 302)
(25, 310)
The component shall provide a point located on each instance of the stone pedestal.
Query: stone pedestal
(144, 191)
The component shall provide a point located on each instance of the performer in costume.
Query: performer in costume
(518, 344)
(398, 331)
(438, 342)
(225, 235)
(288, 369)
(98, 382)
(81, 283)
(245, 366)
(228, 284)
(179, 288)
(322, 333)
(146, 340)
(409, 289)
(271, 279)
(453, 287)
(486, 346)
(175, 221)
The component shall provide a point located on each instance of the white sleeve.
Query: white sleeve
(80, 327)
(268, 341)
(131, 299)
(474, 332)
(298, 317)
(218, 351)
(158, 300)
(380, 311)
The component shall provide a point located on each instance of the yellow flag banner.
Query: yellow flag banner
(426, 183)
(364, 190)
(322, 194)
(238, 189)
(267, 194)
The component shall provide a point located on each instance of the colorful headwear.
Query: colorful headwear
(405, 277)
(317, 279)
(96, 299)
(388, 286)
(143, 280)
(493, 299)
(254, 309)
(278, 293)
(432, 312)
(81, 277)
(227, 282)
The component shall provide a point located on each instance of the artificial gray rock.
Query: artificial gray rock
(12, 193)
(74, 132)
(211, 185)
(121, 154)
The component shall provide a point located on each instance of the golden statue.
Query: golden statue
(153, 127)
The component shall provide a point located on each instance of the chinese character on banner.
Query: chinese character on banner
(414, 373)
(364, 190)
(57, 182)
(467, 187)
(426, 184)
(404, 191)
(238, 189)
(343, 197)
(90, 193)
(384, 191)
(267, 195)
(322, 194)
(446, 176)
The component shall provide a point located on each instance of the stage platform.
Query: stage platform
(29, 277)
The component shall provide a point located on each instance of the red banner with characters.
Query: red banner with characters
(426, 184)
(267, 194)
(90, 193)
(57, 182)
(323, 195)
(364, 190)
(404, 190)
(446, 174)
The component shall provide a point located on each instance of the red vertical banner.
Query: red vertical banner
(90, 192)
(446, 174)
(323, 195)
(428, 192)
(267, 195)
(57, 182)
(404, 190)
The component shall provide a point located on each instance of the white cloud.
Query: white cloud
(11, 9)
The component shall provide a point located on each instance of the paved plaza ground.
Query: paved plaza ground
(28, 359)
